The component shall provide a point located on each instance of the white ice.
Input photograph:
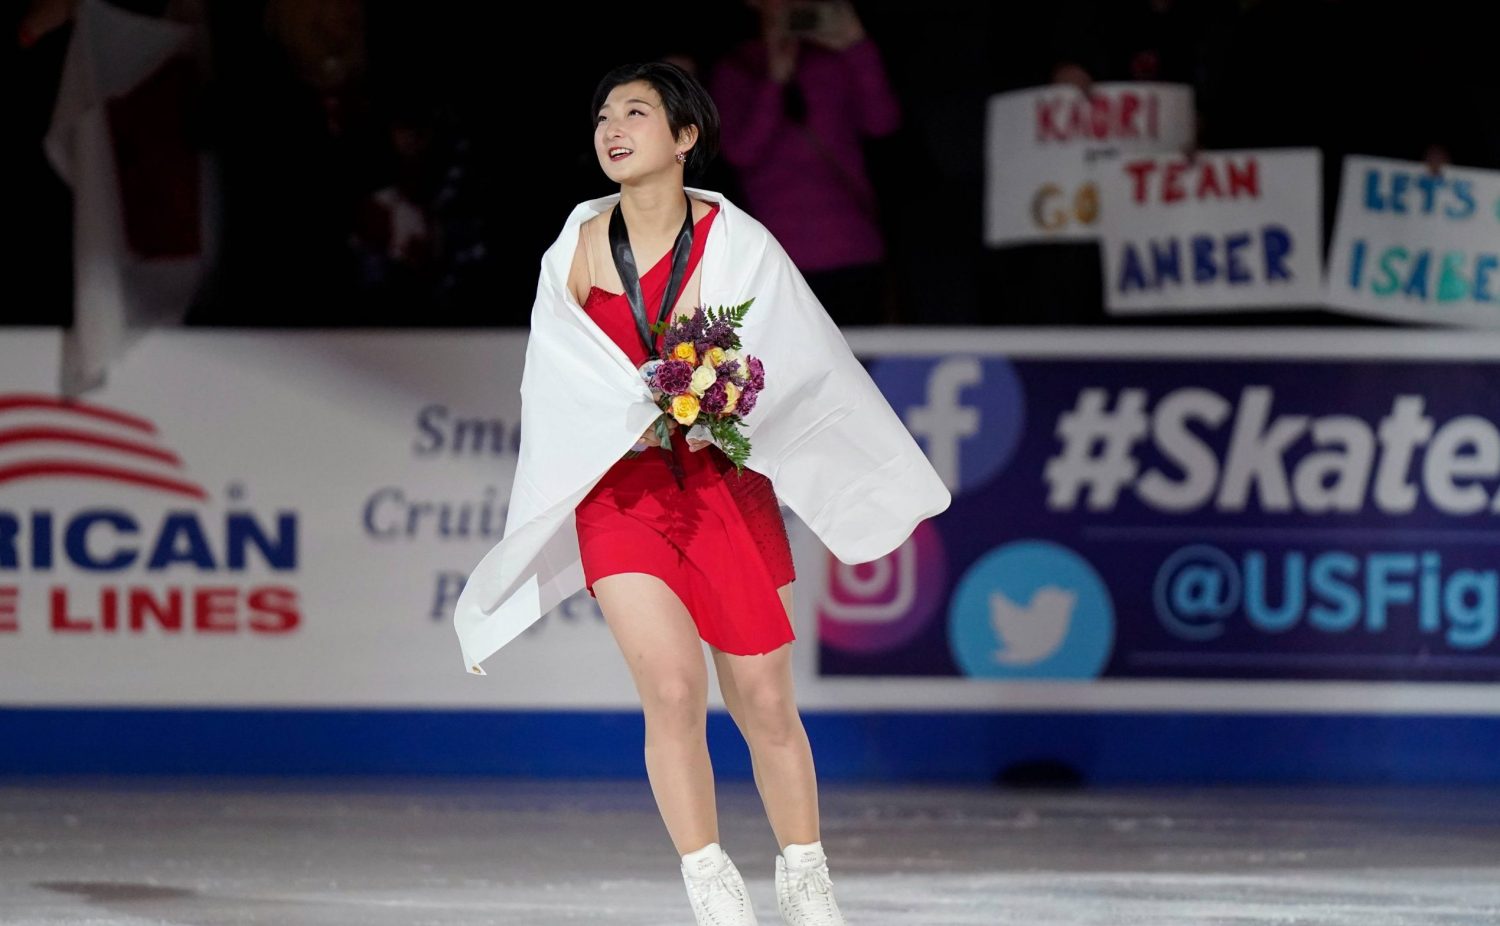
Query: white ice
(371, 852)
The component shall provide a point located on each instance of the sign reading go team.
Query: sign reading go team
(1416, 244)
(1228, 229)
(1042, 147)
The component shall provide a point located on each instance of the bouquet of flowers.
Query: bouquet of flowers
(704, 379)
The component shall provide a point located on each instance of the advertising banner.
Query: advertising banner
(1169, 521)
(1306, 505)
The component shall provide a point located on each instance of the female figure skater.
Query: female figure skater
(680, 553)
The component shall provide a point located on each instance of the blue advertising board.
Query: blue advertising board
(1193, 505)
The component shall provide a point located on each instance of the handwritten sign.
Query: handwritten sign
(1227, 230)
(1416, 245)
(1044, 146)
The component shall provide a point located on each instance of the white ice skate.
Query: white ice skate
(716, 889)
(804, 892)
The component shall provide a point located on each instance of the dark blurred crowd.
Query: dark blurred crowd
(405, 163)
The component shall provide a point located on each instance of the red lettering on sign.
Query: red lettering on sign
(165, 614)
(276, 610)
(212, 604)
(1171, 189)
(1244, 178)
(1139, 171)
(1208, 182)
(270, 609)
(1098, 117)
(1046, 121)
(8, 596)
(61, 622)
(1130, 105)
(1204, 179)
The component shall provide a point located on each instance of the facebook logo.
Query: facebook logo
(967, 413)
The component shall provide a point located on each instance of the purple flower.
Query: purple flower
(746, 401)
(757, 373)
(714, 398)
(672, 376)
(684, 328)
(720, 334)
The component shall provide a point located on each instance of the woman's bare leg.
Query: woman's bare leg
(661, 646)
(758, 693)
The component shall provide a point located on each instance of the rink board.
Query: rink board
(272, 526)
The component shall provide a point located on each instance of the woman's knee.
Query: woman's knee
(770, 714)
(677, 700)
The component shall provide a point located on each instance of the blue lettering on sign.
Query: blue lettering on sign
(1204, 270)
(1277, 242)
(1332, 591)
(113, 540)
(1458, 274)
(1403, 192)
(1238, 258)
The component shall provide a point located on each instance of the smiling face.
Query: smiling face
(632, 138)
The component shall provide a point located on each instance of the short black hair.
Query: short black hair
(686, 102)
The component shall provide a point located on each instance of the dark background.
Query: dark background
(500, 93)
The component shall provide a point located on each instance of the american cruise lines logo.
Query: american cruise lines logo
(103, 531)
(48, 448)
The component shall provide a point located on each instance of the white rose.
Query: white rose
(733, 355)
(703, 377)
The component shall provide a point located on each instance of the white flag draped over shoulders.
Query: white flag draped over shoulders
(834, 450)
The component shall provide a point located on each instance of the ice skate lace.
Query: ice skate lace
(719, 896)
(812, 890)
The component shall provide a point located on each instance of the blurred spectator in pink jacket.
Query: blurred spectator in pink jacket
(796, 104)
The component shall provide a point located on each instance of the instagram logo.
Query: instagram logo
(884, 603)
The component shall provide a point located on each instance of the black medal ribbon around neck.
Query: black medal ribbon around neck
(619, 247)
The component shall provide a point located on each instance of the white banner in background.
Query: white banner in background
(283, 519)
(1416, 245)
(1043, 147)
(1227, 230)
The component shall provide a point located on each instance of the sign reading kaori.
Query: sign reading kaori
(1042, 147)
(1231, 229)
(1416, 244)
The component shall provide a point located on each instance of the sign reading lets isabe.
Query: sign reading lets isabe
(1417, 245)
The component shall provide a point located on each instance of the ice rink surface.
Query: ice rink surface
(414, 852)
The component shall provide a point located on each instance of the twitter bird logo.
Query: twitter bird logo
(1031, 609)
(1027, 635)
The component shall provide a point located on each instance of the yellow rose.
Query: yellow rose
(685, 351)
(703, 377)
(715, 355)
(731, 396)
(685, 408)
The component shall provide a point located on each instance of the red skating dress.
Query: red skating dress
(720, 543)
